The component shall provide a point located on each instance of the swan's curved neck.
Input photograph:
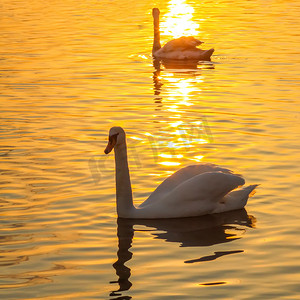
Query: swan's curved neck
(123, 184)
(156, 41)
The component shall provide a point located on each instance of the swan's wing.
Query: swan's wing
(212, 186)
(181, 176)
(199, 195)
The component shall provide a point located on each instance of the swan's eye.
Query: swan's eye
(113, 138)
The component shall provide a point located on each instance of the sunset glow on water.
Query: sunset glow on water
(70, 70)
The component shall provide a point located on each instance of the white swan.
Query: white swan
(183, 48)
(192, 191)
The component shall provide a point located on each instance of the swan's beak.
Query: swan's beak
(108, 148)
(111, 143)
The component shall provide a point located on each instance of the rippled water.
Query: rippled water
(69, 71)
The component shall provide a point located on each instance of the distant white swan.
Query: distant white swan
(192, 191)
(183, 48)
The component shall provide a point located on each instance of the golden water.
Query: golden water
(72, 69)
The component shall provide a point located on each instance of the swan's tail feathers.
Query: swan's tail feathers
(244, 193)
(251, 189)
(236, 199)
(207, 54)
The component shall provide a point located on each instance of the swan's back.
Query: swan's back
(182, 43)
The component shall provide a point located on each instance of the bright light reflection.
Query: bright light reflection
(170, 163)
(179, 94)
(179, 20)
(176, 123)
(135, 138)
(170, 156)
(199, 157)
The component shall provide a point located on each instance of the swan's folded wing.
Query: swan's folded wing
(210, 186)
(180, 177)
(182, 43)
(199, 195)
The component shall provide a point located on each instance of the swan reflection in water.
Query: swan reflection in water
(201, 231)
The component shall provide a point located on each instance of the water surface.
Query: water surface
(69, 71)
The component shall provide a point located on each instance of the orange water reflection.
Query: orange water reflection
(72, 69)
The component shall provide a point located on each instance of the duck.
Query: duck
(192, 191)
(183, 48)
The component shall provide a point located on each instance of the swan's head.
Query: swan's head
(116, 136)
(155, 12)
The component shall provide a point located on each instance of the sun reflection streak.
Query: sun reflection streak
(182, 135)
(179, 137)
(179, 20)
(179, 92)
(181, 83)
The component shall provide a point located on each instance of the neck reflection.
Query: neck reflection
(188, 232)
(125, 235)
